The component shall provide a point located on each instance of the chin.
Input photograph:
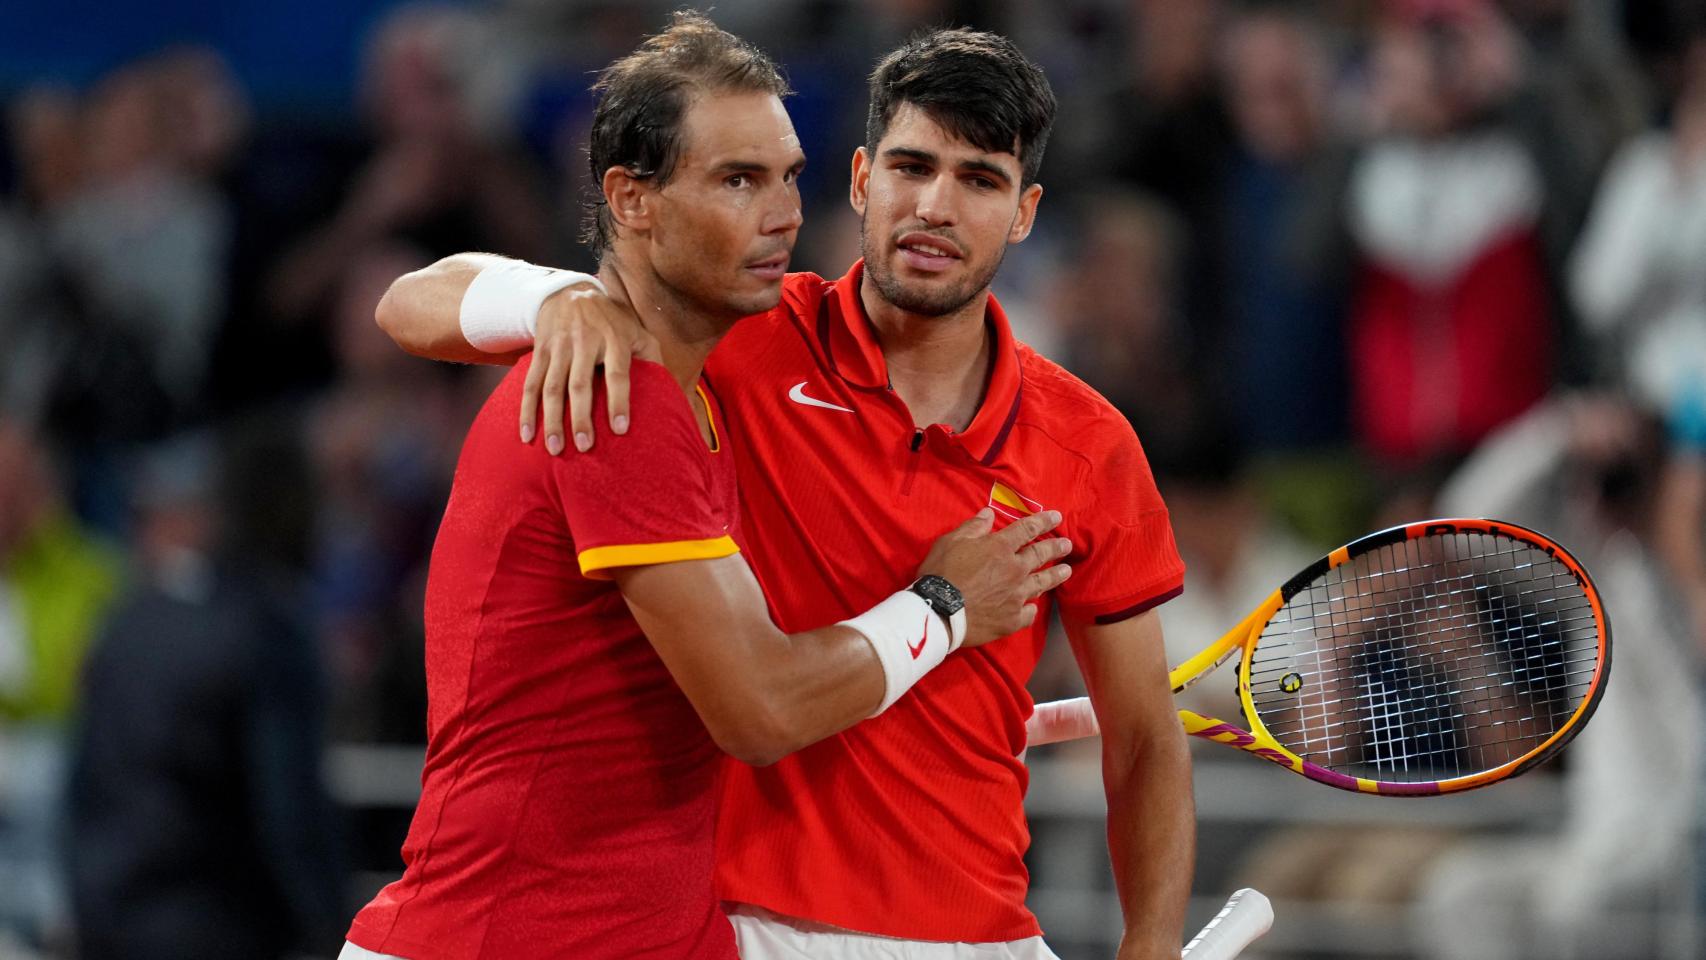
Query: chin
(758, 301)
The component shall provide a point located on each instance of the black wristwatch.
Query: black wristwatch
(945, 599)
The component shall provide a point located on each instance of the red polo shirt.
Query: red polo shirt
(569, 797)
(912, 824)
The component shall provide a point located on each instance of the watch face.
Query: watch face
(941, 594)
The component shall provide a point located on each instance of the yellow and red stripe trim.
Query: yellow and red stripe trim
(595, 561)
(710, 418)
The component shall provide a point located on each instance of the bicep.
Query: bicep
(1125, 668)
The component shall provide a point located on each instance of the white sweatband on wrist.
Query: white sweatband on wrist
(500, 309)
(910, 640)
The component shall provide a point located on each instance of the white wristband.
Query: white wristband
(910, 640)
(500, 310)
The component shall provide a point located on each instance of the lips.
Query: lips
(928, 252)
(770, 268)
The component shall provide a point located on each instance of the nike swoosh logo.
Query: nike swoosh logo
(915, 651)
(798, 395)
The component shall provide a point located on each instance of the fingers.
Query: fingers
(551, 398)
(616, 386)
(530, 390)
(1027, 616)
(1023, 531)
(581, 364)
(1045, 580)
(1045, 551)
(977, 525)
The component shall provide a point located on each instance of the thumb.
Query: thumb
(979, 524)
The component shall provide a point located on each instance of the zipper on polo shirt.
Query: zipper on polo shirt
(912, 461)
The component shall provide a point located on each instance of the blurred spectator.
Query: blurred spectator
(431, 178)
(199, 825)
(1451, 331)
(206, 110)
(1639, 279)
(1284, 247)
(56, 584)
(1638, 274)
(1236, 553)
(385, 444)
(145, 243)
(1584, 469)
(1166, 132)
(47, 147)
(1117, 305)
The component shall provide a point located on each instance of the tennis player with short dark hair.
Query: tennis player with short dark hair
(593, 631)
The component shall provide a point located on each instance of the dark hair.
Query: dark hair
(976, 85)
(643, 99)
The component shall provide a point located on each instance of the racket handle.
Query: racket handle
(1061, 720)
(1245, 918)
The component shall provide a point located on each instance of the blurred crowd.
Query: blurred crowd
(1340, 262)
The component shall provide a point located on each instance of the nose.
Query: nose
(936, 205)
(786, 216)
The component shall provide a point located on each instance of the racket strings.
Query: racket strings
(1432, 658)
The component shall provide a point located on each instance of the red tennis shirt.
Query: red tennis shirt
(569, 797)
(912, 824)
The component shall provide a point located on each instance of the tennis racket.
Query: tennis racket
(1425, 659)
(1245, 917)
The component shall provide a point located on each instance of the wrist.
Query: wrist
(909, 639)
(500, 309)
(946, 600)
(1147, 948)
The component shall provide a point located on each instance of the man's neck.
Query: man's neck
(685, 334)
(939, 365)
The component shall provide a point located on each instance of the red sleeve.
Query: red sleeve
(644, 497)
(1124, 560)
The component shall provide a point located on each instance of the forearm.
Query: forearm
(1152, 841)
(422, 311)
(807, 686)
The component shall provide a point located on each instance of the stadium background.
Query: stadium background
(1340, 262)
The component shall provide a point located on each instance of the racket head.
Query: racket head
(1427, 658)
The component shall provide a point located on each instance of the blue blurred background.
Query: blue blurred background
(1341, 262)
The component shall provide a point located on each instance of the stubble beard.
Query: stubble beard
(921, 300)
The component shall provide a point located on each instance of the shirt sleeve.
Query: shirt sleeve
(647, 496)
(1124, 560)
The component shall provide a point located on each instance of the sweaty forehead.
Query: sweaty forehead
(744, 127)
(913, 128)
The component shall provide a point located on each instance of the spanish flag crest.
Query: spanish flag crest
(1010, 505)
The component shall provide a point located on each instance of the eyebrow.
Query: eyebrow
(752, 166)
(975, 165)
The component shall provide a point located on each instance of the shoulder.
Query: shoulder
(1058, 404)
(1064, 420)
(804, 291)
(761, 333)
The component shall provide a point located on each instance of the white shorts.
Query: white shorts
(353, 952)
(762, 935)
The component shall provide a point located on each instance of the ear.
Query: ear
(629, 199)
(1027, 213)
(859, 191)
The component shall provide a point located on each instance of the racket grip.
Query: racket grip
(1246, 916)
(1061, 720)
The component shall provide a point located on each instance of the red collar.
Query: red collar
(849, 343)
